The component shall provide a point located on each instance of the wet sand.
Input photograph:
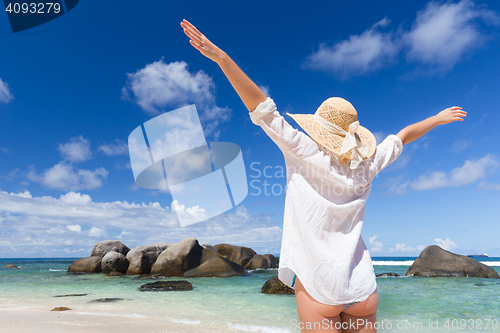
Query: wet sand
(37, 321)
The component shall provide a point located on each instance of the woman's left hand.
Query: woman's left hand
(450, 115)
(201, 43)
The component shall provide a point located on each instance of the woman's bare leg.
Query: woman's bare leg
(315, 316)
(361, 317)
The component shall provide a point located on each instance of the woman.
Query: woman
(329, 175)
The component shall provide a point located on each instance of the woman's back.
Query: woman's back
(324, 212)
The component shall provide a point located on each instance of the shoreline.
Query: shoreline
(22, 320)
(232, 304)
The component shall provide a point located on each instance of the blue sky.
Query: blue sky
(73, 89)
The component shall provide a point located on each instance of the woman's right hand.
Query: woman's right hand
(201, 43)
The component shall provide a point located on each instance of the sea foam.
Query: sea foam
(258, 328)
(185, 321)
(393, 263)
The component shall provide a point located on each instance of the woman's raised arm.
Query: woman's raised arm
(415, 131)
(249, 92)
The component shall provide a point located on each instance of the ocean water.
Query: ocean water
(407, 304)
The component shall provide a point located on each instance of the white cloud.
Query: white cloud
(377, 246)
(446, 244)
(159, 86)
(76, 150)
(435, 180)
(25, 194)
(358, 55)
(81, 251)
(97, 232)
(4, 150)
(5, 95)
(74, 227)
(63, 176)
(470, 172)
(443, 33)
(190, 213)
(44, 224)
(405, 248)
(73, 198)
(112, 149)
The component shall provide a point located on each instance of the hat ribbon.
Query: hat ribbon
(359, 150)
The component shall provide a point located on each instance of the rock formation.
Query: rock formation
(216, 266)
(275, 286)
(102, 248)
(167, 286)
(142, 258)
(391, 274)
(434, 261)
(86, 265)
(238, 254)
(186, 258)
(178, 259)
(114, 262)
(262, 261)
(60, 308)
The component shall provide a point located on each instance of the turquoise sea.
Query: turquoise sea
(407, 304)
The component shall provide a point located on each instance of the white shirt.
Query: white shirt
(324, 212)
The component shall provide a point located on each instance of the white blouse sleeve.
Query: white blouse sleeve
(386, 153)
(289, 140)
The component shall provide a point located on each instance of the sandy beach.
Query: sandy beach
(39, 321)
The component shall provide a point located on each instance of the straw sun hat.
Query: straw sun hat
(335, 126)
